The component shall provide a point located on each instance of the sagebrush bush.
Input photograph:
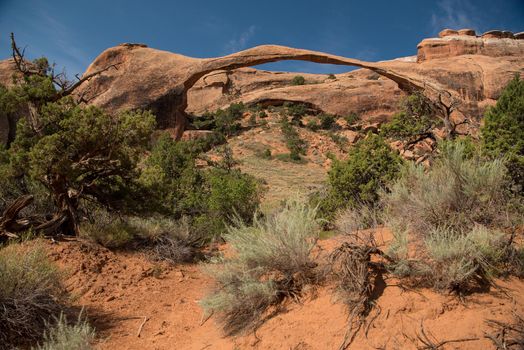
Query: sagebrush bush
(353, 219)
(271, 260)
(457, 261)
(65, 336)
(30, 288)
(453, 217)
(174, 241)
(455, 192)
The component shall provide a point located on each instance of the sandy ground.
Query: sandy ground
(137, 304)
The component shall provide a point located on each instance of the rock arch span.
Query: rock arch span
(160, 80)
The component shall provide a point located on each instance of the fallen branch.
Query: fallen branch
(508, 336)
(142, 326)
(430, 342)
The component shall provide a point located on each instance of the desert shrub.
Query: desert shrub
(231, 193)
(296, 111)
(164, 239)
(110, 230)
(416, 118)
(210, 196)
(271, 260)
(332, 76)
(354, 219)
(340, 140)
(295, 145)
(223, 121)
(65, 336)
(503, 130)
(266, 154)
(327, 121)
(29, 290)
(262, 114)
(452, 214)
(312, 125)
(352, 118)
(371, 165)
(298, 80)
(459, 260)
(455, 192)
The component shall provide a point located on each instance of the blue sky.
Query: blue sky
(72, 33)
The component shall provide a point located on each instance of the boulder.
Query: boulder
(519, 35)
(467, 32)
(447, 32)
(493, 34)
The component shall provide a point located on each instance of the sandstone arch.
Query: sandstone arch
(160, 80)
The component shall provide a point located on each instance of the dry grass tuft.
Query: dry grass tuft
(29, 291)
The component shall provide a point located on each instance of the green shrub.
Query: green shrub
(332, 76)
(298, 80)
(209, 196)
(295, 145)
(352, 118)
(416, 118)
(503, 130)
(231, 193)
(223, 121)
(271, 261)
(371, 165)
(29, 292)
(65, 336)
(295, 110)
(327, 121)
(313, 125)
(456, 192)
(341, 141)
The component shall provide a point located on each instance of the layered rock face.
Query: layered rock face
(452, 43)
(361, 91)
(7, 123)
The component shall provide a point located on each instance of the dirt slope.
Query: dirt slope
(119, 289)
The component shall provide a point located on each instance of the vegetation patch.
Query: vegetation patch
(30, 288)
(298, 80)
(66, 336)
(271, 261)
(371, 165)
(295, 145)
(503, 131)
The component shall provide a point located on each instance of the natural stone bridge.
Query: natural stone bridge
(160, 80)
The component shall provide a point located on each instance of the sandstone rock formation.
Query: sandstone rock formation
(360, 91)
(159, 80)
(7, 123)
(451, 43)
(472, 69)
